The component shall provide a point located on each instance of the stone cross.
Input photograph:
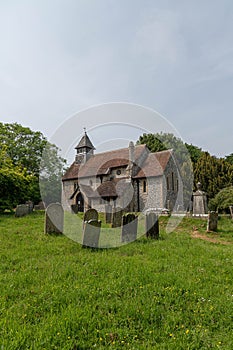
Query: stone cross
(54, 218)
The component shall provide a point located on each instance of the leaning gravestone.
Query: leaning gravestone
(212, 223)
(129, 228)
(22, 210)
(117, 217)
(54, 218)
(152, 225)
(90, 214)
(91, 233)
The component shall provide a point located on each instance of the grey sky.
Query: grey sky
(58, 57)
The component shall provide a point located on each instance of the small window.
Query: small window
(118, 172)
(144, 186)
(91, 182)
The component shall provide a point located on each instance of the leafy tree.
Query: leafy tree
(24, 146)
(229, 158)
(21, 156)
(222, 200)
(15, 182)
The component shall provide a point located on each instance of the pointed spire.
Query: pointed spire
(85, 142)
(85, 148)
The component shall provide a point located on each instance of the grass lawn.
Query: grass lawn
(174, 293)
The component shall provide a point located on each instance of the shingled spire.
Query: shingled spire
(84, 148)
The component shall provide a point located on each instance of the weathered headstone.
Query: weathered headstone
(22, 210)
(91, 233)
(54, 218)
(90, 214)
(231, 210)
(152, 225)
(74, 208)
(117, 217)
(129, 227)
(212, 222)
(108, 214)
(39, 206)
(30, 206)
(199, 201)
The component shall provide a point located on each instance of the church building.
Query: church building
(132, 178)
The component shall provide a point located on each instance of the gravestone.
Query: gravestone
(30, 206)
(231, 210)
(90, 214)
(22, 210)
(199, 201)
(152, 225)
(74, 208)
(54, 218)
(91, 233)
(129, 228)
(108, 214)
(212, 222)
(117, 217)
(39, 206)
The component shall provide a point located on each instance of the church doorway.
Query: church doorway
(80, 202)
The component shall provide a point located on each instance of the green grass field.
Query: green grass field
(174, 293)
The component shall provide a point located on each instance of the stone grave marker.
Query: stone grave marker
(152, 225)
(54, 218)
(91, 233)
(74, 208)
(30, 206)
(39, 206)
(212, 222)
(231, 210)
(108, 214)
(90, 214)
(129, 227)
(117, 217)
(22, 210)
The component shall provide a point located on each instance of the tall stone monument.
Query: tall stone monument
(199, 201)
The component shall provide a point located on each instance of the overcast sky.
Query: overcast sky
(176, 57)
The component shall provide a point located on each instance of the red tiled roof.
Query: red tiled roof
(100, 163)
(72, 172)
(154, 165)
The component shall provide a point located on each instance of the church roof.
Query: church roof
(153, 164)
(85, 142)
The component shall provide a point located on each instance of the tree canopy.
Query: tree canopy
(21, 154)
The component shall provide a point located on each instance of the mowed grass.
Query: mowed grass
(174, 293)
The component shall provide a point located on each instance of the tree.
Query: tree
(24, 146)
(21, 156)
(229, 158)
(15, 183)
(222, 200)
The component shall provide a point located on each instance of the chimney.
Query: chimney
(131, 157)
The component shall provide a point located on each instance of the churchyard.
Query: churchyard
(175, 292)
